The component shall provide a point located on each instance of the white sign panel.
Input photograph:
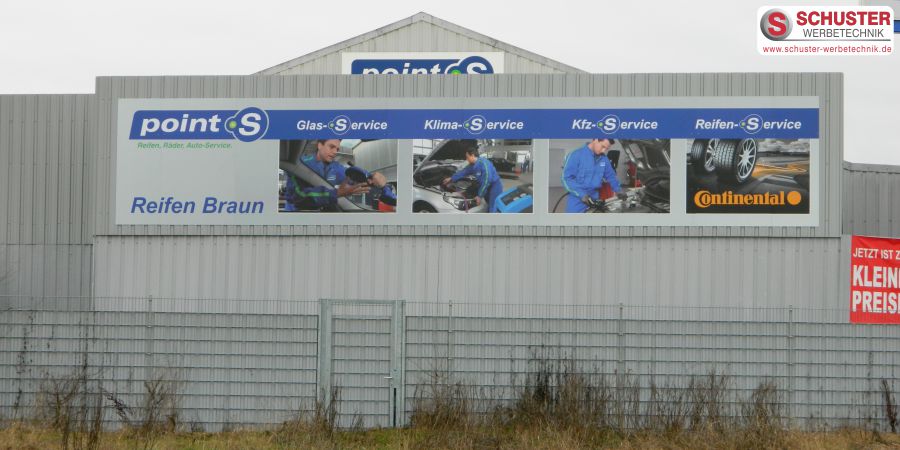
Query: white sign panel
(685, 161)
(825, 30)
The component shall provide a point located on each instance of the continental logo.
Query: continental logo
(705, 199)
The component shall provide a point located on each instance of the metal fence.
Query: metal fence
(234, 364)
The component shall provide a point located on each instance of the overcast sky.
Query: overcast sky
(60, 46)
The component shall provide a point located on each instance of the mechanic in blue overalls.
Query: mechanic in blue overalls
(299, 196)
(489, 185)
(584, 171)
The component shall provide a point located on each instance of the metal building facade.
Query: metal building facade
(234, 313)
(46, 144)
(739, 272)
(871, 206)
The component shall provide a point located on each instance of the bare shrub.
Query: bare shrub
(155, 414)
(584, 407)
(73, 406)
(890, 405)
(707, 401)
(312, 428)
(158, 411)
(120, 408)
(627, 403)
(763, 410)
(440, 403)
(326, 411)
(667, 409)
(556, 394)
(762, 425)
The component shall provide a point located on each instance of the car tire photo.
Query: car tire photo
(422, 207)
(735, 160)
(702, 152)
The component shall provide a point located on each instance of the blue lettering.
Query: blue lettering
(165, 205)
(138, 203)
(469, 65)
(209, 205)
(212, 205)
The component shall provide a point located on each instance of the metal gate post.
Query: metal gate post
(398, 364)
(450, 341)
(323, 374)
(791, 400)
(149, 363)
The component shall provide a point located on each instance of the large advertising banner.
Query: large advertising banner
(874, 280)
(550, 161)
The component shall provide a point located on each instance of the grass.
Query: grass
(25, 436)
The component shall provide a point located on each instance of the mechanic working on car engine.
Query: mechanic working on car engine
(489, 185)
(584, 171)
(300, 196)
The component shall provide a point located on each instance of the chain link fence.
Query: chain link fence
(245, 363)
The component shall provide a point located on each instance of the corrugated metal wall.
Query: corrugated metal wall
(871, 200)
(45, 210)
(31, 272)
(727, 272)
(828, 87)
(45, 156)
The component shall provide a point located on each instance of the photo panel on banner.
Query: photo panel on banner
(748, 176)
(337, 175)
(610, 176)
(466, 176)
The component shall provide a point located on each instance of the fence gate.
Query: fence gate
(361, 361)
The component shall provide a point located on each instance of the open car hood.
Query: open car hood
(450, 149)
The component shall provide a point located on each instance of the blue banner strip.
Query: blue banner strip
(897, 26)
(251, 124)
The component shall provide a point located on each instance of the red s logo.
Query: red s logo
(775, 25)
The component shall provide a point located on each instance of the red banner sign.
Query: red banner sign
(874, 280)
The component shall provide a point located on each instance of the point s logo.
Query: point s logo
(472, 64)
(609, 124)
(776, 25)
(248, 124)
(339, 125)
(342, 124)
(474, 124)
(705, 199)
(752, 123)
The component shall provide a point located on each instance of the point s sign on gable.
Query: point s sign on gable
(421, 63)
